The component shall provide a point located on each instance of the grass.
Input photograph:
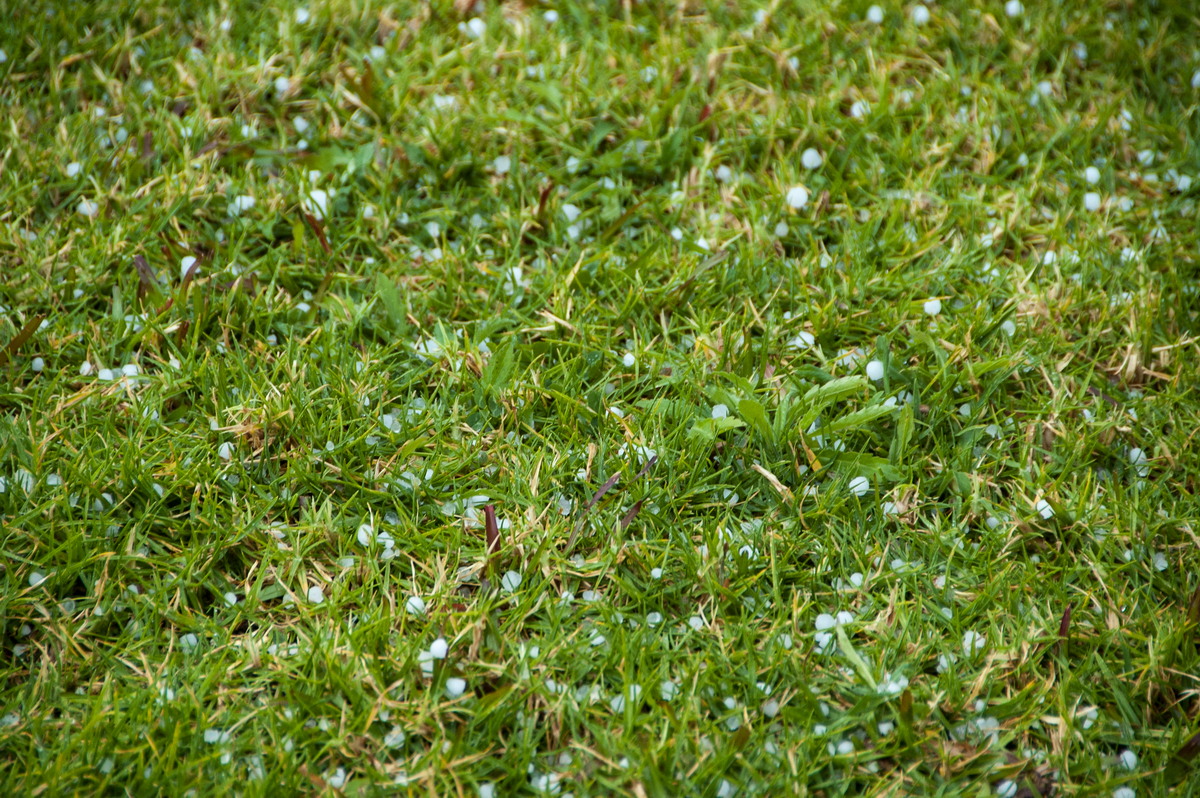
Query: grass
(891, 493)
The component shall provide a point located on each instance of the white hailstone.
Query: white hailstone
(316, 595)
(972, 641)
(3, 56)
(1006, 789)
(570, 211)
(214, 736)
(797, 197)
(415, 605)
(303, 15)
(239, 204)
(231, 599)
(656, 573)
(781, 229)
(811, 159)
(628, 360)
(1008, 327)
(1124, 792)
(186, 265)
(439, 648)
(825, 621)
(551, 17)
(225, 451)
(859, 486)
(1092, 175)
(875, 370)
(455, 687)
(676, 234)
(377, 53)
(88, 208)
(189, 643)
(720, 411)
(1138, 459)
(282, 85)
(487, 789)
(1091, 201)
(501, 165)
(395, 738)
(1044, 509)
(37, 364)
(1160, 562)
(860, 108)
(73, 168)
(510, 581)
(1128, 759)
(1014, 8)
(875, 15)
(920, 14)
(36, 578)
(54, 480)
(365, 534)
(337, 779)
(803, 340)
(105, 375)
(476, 27)
(933, 307)
(317, 203)
(723, 174)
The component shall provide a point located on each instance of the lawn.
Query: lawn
(601, 398)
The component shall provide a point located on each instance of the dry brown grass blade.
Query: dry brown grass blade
(20, 338)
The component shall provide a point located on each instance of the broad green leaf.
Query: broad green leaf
(904, 432)
(857, 463)
(860, 664)
(857, 419)
(389, 297)
(833, 390)
(499, 369)
(756, 416)
(709, 428)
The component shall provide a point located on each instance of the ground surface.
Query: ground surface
(901, 428)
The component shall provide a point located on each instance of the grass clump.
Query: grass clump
(599, 399)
